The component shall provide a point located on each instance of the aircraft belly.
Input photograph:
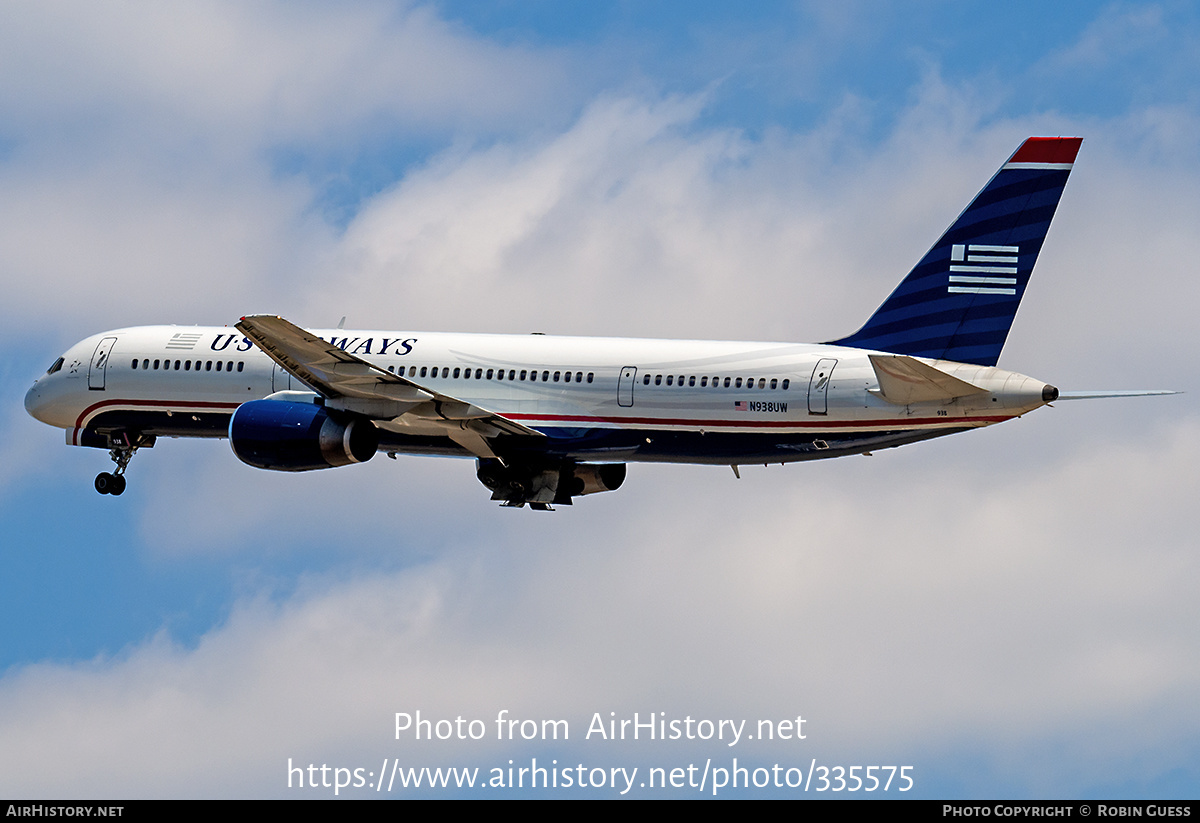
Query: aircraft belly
(723, 448)
(656, 446)
(196, 422)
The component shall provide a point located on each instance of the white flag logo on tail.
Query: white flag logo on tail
(976, 269)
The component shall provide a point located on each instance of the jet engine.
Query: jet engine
(589, 478)
(296, 437)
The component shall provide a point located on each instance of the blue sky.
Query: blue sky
(1009, 611)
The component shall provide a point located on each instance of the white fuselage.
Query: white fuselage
(600, 399)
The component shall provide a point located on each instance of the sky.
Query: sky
(1008, 613)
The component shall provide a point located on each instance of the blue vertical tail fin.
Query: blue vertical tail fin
(959, 302)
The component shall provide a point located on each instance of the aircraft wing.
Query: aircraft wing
(362, 387)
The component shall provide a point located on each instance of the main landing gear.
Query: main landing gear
(123, 447)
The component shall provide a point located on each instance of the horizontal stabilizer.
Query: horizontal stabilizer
(1092, 395)
(904, 380)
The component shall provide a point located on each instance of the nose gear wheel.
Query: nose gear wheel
(124, 446)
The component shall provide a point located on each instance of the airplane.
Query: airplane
(550, 418)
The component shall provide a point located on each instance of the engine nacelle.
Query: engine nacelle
(589, 478)
(297, 437)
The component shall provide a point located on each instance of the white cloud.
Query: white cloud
(1117, 32)
(245, 75)
(140, 142)
(122, 243)
(972, 613)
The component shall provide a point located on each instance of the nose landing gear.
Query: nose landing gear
(123, 447)
(110, 483)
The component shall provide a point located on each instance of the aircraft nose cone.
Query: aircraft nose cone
(34, 403)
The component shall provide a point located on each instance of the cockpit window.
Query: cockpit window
(58, 364)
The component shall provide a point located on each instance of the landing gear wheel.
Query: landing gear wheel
(106, 483)
(122, 448)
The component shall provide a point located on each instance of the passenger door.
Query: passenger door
(818, 386)
(625, 385)
(99, 364)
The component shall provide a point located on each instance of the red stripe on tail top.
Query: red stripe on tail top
(1048, 150)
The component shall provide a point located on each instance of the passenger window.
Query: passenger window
(785, 383)
(646, 380)
(566, 377)
(658, 379)
(524, 374)
(156, 365)
(241, 365)
(774, 383)
(669, 379)
(456, 371)
(703, 382)
(424, 370)
(489, 374)
(557, 375)
(134, 366)
(727, 382)
(590, 375)
(691, 381)
(545, 376)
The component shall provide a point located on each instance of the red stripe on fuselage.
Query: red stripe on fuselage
(763, 424)
(891, 424)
